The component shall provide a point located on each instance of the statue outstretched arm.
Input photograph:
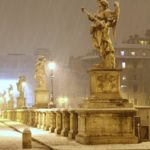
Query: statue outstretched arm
(92, 18)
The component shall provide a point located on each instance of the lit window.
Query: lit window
(123, 86)
(122, 53)
(123, 65)
(132, 53)
(124, 77)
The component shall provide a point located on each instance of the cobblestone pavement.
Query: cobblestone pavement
(53, 141)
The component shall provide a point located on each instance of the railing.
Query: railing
(65, 121)
(59, 121)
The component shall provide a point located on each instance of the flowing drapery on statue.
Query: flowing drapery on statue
(40, 73)
(20, 88)
(20, 85)
(102, 21)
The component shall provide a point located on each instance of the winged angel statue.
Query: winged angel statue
(102, 21)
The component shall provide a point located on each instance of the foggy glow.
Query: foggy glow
(63, 101)
(4, 87)
(5, 84)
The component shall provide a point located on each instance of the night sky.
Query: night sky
(60, 26)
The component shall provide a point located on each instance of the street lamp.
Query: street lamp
(52, 67)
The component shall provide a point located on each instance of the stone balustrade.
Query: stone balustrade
(60, 121)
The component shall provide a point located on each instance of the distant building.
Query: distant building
(138, 39)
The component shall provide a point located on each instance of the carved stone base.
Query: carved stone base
(105, 90)
(41, 98)
(106, 126)
(10, 104)
(20, 102)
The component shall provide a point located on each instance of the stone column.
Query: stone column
(43, 119)
(52, 121)
(73, 124)
(39, 119)
(47, 121)
(58, 122)
(65, 122)
(25, 116)
(35, 118)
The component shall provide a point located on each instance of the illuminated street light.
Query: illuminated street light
(52, 67)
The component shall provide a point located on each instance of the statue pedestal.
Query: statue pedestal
(106, 126)
(20, 102)
(105, 117)
(10, 104)
(41, 98)
(105, 90)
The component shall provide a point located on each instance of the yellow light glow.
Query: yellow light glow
(63, 101)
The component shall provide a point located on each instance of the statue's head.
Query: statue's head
(104, 3)
(41, 58)
(22, 78)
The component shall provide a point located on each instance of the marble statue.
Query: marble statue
(10, 89)
(20, 85)
(102, 21)
(40, 73)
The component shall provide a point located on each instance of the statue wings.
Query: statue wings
(113, 16)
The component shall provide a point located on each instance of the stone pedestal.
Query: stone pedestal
(20, 102)
(106, 126)
(105, 117)
(105, 90)
(10, 104)
(41, 98)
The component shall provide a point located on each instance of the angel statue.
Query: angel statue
(102, 21)
(40, 73)
(20, 85)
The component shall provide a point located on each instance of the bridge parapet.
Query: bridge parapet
(60, 121)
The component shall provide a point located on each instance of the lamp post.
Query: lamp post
(52, 67)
